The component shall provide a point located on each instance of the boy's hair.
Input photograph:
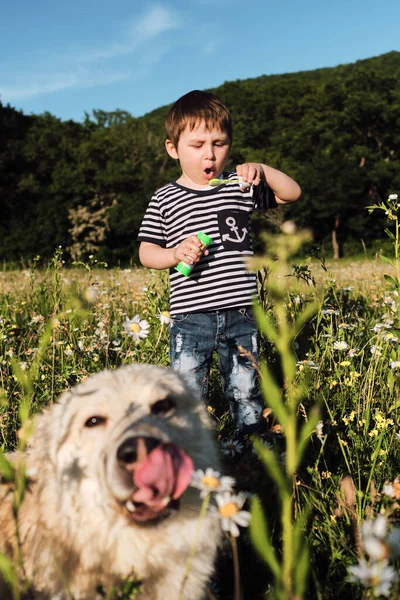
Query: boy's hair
(193, 107)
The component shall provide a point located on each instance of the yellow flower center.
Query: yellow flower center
(165, 313)
(211, 481)
(135, 327)
(228, 510)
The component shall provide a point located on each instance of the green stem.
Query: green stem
(236, 569)
(287, 527)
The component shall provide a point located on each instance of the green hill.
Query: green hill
(85, 186)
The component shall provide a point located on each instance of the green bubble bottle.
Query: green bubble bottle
(185, 268)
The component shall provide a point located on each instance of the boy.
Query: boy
(211, 309)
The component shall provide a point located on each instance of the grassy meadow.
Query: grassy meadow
(322, 483)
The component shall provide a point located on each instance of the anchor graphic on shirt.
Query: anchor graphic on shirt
(231, 222)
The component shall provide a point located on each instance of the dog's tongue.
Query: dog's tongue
(164, 475)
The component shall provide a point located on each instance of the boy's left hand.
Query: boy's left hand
(251, 173)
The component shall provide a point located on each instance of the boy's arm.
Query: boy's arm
(157, 257)
(286, 190)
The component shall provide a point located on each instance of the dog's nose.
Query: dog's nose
(128, 450)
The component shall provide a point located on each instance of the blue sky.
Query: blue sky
(72, 56)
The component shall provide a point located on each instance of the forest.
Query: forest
(85, 186)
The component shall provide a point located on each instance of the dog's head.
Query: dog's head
(129, 438)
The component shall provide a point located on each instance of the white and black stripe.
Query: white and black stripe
(220, 280)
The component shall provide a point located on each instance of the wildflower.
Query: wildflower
(36, 319)
(231, 447)
(391, 338)
(388, 490)
(375, 350)
(329, 311)
(377, 575)
(136, 328)
(289, 227)
(165, 317)
(278, 429)
(392, 489)
(340, 345)
(393, 197)
(350, 418)
(230, 513)
(91, 294)
(373, 534)
(352, 352)
(394, 364)
(320, 429)
(211, 481)
(307, 363)
(345, 363)
(381, 421)
(381, 326)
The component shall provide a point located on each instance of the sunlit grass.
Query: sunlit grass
(334, 377)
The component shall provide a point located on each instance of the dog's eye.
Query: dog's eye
(95, 421)
(162, 407)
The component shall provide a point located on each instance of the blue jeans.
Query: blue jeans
(194, 338)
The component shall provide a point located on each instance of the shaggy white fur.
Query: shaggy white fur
(108, 495)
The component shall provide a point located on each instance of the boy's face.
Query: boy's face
(202, 154)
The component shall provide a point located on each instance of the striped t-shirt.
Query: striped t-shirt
(220, 280)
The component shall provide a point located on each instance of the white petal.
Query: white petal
(242, 518)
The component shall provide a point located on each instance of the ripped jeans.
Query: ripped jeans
(194, 338)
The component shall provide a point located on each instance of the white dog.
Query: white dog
(108, 495)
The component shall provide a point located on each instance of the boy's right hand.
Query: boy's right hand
(189, 251)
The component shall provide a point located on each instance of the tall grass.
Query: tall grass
(324, 477)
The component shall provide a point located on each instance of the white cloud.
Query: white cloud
(40, 84)
(155, 22)
(91, 70)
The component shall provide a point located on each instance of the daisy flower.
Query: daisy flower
(373, 534)
(394, 364)
(381, 326)
(230, 513)
(165, 317)
(377, 575)
(307, 363)
(340, 345)
(231, 447)
(329, 311)
(211, 481)
(352, 352)
(136, 328)
(391, 338)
